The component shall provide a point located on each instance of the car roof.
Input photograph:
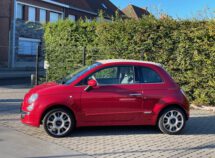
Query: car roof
(127, 61)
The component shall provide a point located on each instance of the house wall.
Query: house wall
(42, 4)
(79, 14)
(66, 11)
(4, 31)
(33, 30)
(30, 30)
(25, 29)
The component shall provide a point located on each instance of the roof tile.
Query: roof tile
(135, 12)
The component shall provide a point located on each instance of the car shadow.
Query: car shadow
(200, 125)
(203, 125)
(114, 130)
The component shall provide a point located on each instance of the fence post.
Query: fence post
(84, 56)
(92, 59)
(32, 80)
(142, 55)
(37, 66)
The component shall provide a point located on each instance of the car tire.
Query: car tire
(172, 121)
(59, 122)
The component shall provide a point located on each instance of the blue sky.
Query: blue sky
(175, 8)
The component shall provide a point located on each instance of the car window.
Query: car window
(126, 75)
(149, 76)
(106, 76)
(72, 77)
(114, 75)
(106, 73)
(137, 75)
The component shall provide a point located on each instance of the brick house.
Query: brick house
(20, 25)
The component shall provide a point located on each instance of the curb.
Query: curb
(202, 107)
(11, 100)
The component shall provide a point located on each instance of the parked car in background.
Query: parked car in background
(108, 93)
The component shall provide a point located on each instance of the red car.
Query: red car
(108, 93)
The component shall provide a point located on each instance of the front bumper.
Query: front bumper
(23, 114)
(29, 118)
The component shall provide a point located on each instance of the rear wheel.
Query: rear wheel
(59, 122)
(172, 121)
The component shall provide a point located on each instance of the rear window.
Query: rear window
(149, 76)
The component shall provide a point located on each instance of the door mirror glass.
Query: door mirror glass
(92, 83)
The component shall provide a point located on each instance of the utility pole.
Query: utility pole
(37, 66)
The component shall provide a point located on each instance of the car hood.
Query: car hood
(42, 87)
(50, 88)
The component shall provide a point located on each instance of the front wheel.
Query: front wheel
(172, 121)
(59, 123)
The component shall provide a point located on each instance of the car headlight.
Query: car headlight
(33, 98)
(30, 107)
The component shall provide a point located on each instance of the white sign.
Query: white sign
(46, 65)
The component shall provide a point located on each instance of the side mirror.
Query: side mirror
(91, 83)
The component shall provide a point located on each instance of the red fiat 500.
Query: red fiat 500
(108, 93)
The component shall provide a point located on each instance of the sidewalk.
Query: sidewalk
(13, 92)
(14, 144)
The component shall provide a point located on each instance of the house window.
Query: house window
(54, 17)
(32, 14)
(42, 15)
(20, 11)
(71, 17)
(28, 46)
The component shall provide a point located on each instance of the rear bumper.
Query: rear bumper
(186, 107)
(188, 114)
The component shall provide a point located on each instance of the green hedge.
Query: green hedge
(185, 48)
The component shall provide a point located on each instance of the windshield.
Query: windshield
(72, 77)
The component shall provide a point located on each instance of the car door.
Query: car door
(153, 87)
(118, 96)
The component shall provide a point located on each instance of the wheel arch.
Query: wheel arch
(55, 107)
(171, 106)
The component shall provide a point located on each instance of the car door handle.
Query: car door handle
(135, 95)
